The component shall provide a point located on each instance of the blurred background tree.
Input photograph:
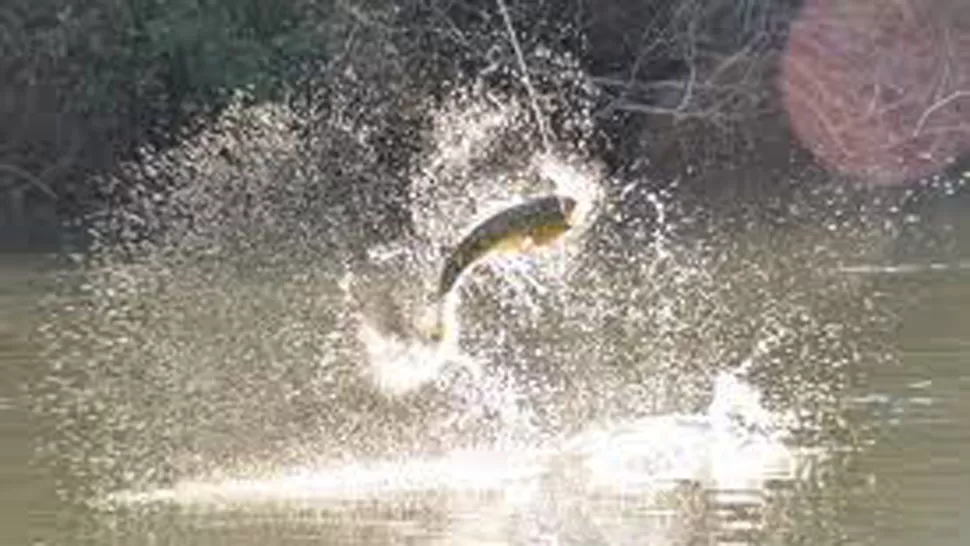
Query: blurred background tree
(684, 89)
(84, 85)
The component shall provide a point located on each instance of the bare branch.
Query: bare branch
(30, 178)
(936, 106)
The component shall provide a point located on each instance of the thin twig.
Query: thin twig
(692, 67)
(939, 104)
(34, 181)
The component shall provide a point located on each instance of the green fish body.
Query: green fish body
(532, 224)
(535, 223)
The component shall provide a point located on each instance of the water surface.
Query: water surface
(908, 485)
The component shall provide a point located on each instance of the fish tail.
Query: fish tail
(439, 324)
(456, 264)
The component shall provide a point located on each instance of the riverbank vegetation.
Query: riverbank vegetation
(680, 89)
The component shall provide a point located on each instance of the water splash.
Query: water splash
(735, 449)
(735, 444)
(447, 199)
(241, 322)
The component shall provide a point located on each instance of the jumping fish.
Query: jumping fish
(533, 224)
(536, 223)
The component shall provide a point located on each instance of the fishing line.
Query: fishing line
(514, 40)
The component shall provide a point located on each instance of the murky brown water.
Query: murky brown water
(910, 486)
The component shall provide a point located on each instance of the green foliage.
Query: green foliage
(149, 67)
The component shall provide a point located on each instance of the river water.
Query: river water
(906, 481)
(231, 367)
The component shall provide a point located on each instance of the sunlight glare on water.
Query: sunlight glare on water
(735, 446)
